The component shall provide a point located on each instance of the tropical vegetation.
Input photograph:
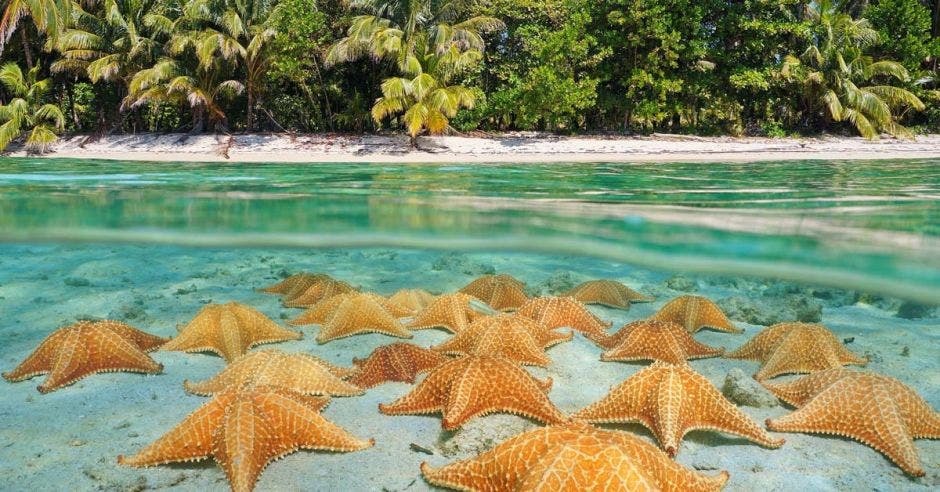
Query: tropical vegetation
(739, 67)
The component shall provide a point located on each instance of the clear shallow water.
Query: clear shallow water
(152, 244)
(873, 226)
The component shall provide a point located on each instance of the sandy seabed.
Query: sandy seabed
(69, 439)
(514, 147)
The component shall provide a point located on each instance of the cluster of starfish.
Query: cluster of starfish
(266, 403)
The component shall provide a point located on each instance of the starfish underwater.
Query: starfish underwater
(787, 348)
(453, 312)
(695, 313)
(85, 348)
(559, 312)
(671, 400)
(245, 429)
(301, 373)
(501, 292)
(655, 340)
(473, 386)
(505, 335)
(353, 313)
(412, 300)
(876, 410)
(608, 293)
(574, 457)
(322, 289)
(294, 284)
(228, 330)
(398, 361)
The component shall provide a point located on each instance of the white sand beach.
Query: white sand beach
(513, 147)
(69, 439)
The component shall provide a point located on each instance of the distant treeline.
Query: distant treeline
(740, 67)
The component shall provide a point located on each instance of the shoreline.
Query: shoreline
(504, 148)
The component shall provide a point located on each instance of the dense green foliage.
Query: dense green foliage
(756, 67)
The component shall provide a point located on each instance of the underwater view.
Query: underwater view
(663, 326)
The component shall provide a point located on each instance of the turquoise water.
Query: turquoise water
(853, 245)
(873, 225)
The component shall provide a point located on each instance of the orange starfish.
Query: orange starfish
(413, 300)
(451, 311)
(316, 292)
(655, 340)
(295, 284)
(557, 312)
(608, 293)
(395, 362)
(502, 292)
(573, 457)
(787, 348)
(671, 400)
(514, 337)
(321, 312)
(228, 330)
(85, 348)
(244, 429)
(877, 410)
(300, 373)
(353, 313)
(695, 313)
(477, 385)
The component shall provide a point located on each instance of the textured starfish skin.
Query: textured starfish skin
(85, 348)
(671, 400)
(412, 300)
(295, 284)
(571, 457)
(474, 385)
(514, 337)
(244, 430)
(876, 410)
(316, 292)
(695, 313)
(557, 312)
(655, 340)
(787, 348)
(608, 293)
(451, 311)
(502, 292)
(395, 362)
(321, 312)
(354, 313)
(228, 330)
(301, 373)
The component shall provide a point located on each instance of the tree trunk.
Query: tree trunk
(26, 51)
(251, 108)
(199, 120)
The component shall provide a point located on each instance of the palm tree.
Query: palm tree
(114, 42)
(177, 82)
(394, 30)
(26, 111)
(235, 30)
(46, 15)
(832, 71)
(426, 100)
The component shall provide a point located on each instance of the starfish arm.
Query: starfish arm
(623, 404)
(40, 361)
(99, 351)
(199, 334)
(190, 440)
(239, 371)
(244, 444)
(262, 329)
(862, 411)
(425, 398)
(301, 426)
(723, 416)
(798, 392)
(144, 341)
(307, 376)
